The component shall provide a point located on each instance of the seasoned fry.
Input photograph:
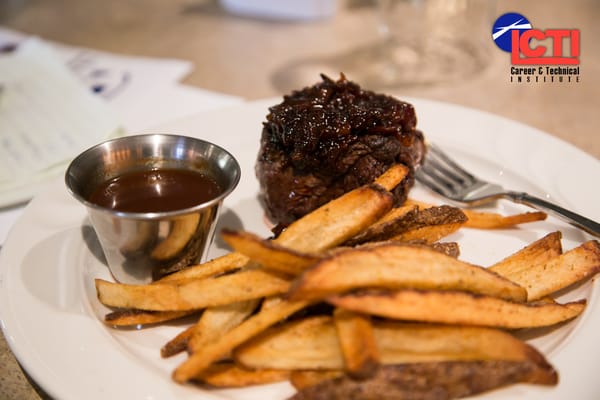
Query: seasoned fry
(395, 213)
(192, 295)
(489, 220)
(199, 361)
(429, 225)
(458, 308)
(540, 251)
(216, 321)
(338, 220)
(217, 266)
(452, 379)
(178, 344)
(393, 266)
(314, 344)
(560, 272)
(182, 230)
(268, 253)
(450, 249)
(429, 234)
(130, 317)
(232, 375)
(357, 342)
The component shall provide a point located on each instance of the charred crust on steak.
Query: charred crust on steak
(329, 138)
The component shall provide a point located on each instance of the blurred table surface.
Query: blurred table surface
(248, 57)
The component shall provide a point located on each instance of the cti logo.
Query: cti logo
(513, 33)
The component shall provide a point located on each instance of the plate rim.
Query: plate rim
(8, 321)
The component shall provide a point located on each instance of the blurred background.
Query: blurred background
(253, 50)
(256, 55)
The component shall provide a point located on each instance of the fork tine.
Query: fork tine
(442, 161)
(433, 180)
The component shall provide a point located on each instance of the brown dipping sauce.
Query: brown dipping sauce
(157, 190)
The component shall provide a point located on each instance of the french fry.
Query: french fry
(393, 266)
(414, 224)
(548, 277)
(458, 308)
(268, 253)
(130, 317)
(429, 234)
(357, 342)
(314, 344)
(338, 220)
(301, 379)
(540, 251)
(392, 177)
(310, 343)
(199, 361)
(489, 220)
(451, 249)
(182, 230)
(194, 294)
(232, 375)
(178, 344)
(217, 266)
(216, 321)
(394, 214)
(450, 380)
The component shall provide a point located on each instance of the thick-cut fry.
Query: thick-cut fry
(305, 378)
(357, 342)
(412, 225)
(338, 220)
(313, 344)
(560, 272)
(130, 317)
(538, 252)
(395, 213)
(489, 220)
(178, 344)
(216, 321)
(198, 362)
(447, 380)
(308, 343)
(458, 308)
(182, 230)
(392, 177)
(393, 265)
(232, 375)
(268, 253)
(429, 234)
(217, 266)
(191, 295)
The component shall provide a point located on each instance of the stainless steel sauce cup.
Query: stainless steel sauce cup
(141, 247)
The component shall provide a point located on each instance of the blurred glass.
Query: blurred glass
(420, 42)
(429, 41)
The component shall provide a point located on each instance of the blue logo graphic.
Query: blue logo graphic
(501, 32)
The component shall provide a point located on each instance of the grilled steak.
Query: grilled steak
(329, 138)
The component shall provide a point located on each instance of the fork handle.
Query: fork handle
(591, 227)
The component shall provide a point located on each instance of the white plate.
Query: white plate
(53, 322)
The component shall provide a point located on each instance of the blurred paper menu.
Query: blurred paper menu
(47, 116)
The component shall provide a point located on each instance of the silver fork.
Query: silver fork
(445, 177)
